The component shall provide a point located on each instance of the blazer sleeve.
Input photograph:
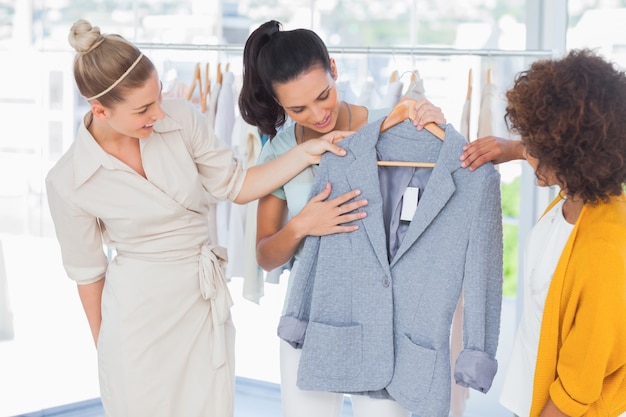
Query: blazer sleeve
(476, 365)
(292, 325)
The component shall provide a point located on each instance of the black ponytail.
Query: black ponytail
(270, 57)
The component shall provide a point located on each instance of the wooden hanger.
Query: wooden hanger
(219, 73)
(394, 76)
(398, 114)
(204, 92)
(402, 111)
(197, 79)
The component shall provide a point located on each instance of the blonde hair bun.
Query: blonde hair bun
(83, 37)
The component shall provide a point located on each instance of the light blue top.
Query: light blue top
(297, 191)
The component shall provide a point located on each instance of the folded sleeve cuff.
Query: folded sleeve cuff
(475, 369)
(565, 402)
(292, 330)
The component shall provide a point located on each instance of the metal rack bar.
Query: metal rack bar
(396, 50)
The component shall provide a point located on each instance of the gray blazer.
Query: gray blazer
(376, 325)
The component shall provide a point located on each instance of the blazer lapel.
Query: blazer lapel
(439, 190)
(363, 175)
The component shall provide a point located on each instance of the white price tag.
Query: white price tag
(409, 203)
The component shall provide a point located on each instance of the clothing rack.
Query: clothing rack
(422, 51)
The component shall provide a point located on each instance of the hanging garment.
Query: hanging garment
(6, 316)
(211, 112)
(416, 88)
(378, 322)
(393, 93)
(224, 124)
(166, 344)
(246, 144)
(485, 117)
(225, 108)
(212, 98)
(466, 112)
(200, 99)
(173, 87)
(345, 92)
(369, 96)
(464, 128)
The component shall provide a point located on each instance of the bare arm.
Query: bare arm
(551, 410)
(491, 148)
(91, 298)
(262, 179)
(277, 244)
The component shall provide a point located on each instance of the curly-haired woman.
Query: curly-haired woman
(569, 356)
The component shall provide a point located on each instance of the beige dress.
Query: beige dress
(166, 345)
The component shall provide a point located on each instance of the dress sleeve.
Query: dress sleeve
(222, 173)
(79, 236)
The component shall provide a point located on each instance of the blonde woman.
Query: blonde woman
(137, 179)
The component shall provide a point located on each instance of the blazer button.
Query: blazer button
(386, 282)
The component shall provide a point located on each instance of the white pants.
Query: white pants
(301, 403)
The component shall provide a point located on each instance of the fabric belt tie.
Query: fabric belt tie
(213, 287)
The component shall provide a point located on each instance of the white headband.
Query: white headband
(119, 79)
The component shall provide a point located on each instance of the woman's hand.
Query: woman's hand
(314, 148)
(278, 242)
(424, 112)
(336, 135)
(491, 148)
(262, 179)
(321, 217)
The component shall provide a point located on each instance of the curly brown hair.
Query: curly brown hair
(571, 116)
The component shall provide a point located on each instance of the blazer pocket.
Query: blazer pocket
(417, 370)
(331, 352)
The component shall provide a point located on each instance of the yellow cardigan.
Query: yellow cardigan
(581, 361)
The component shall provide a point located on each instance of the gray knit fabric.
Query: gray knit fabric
(368, 324)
